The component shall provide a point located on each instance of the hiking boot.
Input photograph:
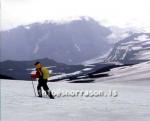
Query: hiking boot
(40, 93)
(49, 93)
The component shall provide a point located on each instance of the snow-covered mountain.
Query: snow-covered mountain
(133, 49)
(71, 42)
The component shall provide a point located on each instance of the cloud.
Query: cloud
(111, 12)
(16, 1)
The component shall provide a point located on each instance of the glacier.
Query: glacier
(18, 102)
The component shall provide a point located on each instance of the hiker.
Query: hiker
(42, 73)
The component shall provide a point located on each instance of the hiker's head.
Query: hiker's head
(38, 65)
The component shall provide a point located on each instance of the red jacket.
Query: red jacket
(35, 75)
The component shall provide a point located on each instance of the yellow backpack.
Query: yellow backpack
(45, 72)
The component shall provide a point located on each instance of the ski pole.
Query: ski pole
(33, 88)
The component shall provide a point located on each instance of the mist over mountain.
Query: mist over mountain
(71, 42)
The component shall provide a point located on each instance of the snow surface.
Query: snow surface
(138, 74)
(27, 27)
(77, 47)
(132, 103)
(143, 37)
(87, 69)
(64, 75)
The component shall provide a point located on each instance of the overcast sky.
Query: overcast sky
(110, 12)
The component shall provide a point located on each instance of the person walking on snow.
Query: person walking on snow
(42, 73)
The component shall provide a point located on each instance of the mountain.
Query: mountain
(133, 49)
(22, 69)
(71, 42)
(5, 77)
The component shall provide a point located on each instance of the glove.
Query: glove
(33, 76)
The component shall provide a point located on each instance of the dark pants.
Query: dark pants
(42, 83)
